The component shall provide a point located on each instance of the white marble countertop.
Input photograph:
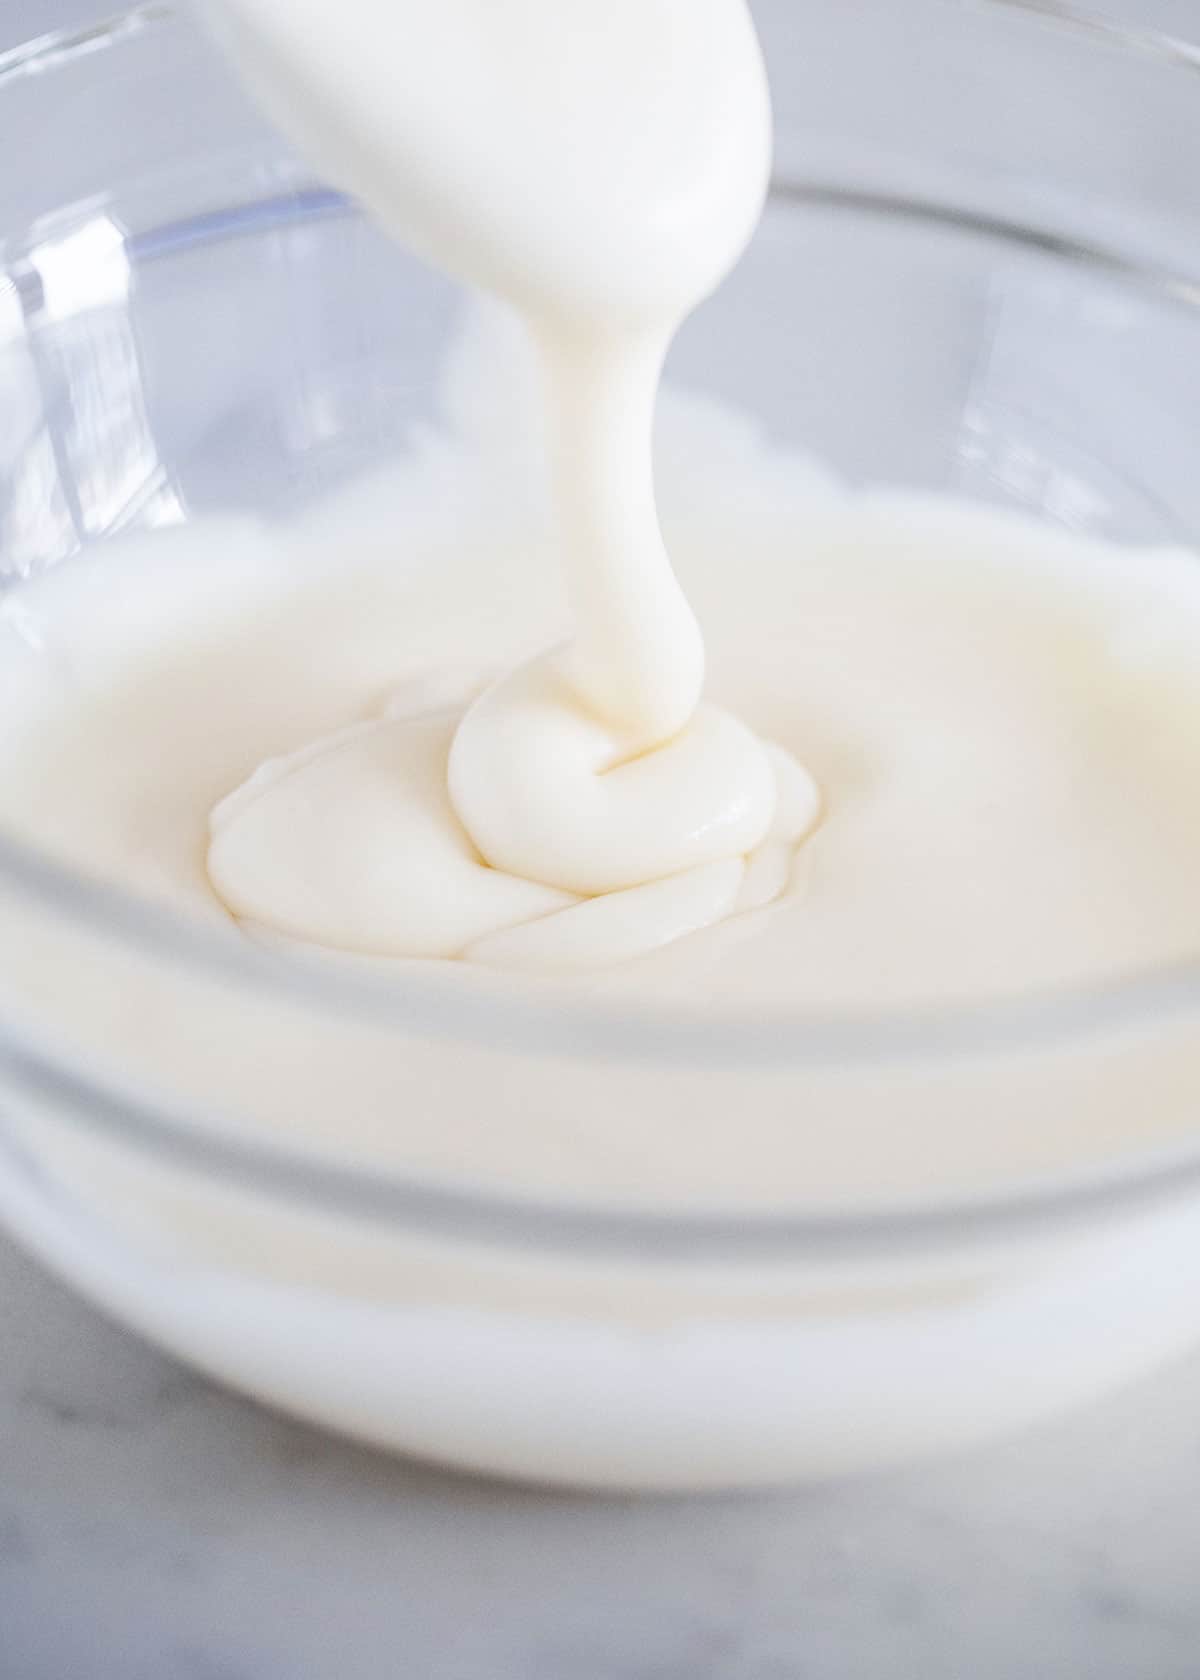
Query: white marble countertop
(153, 1527)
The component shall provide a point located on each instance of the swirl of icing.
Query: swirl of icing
(550, 793)
(508, 838)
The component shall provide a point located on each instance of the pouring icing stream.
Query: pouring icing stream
(599, 167)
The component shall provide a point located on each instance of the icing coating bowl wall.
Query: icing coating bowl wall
(964, 299)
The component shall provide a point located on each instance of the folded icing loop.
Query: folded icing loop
(547, 791)
(521, 834)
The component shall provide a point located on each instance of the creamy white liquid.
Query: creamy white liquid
(1002, 721)
(1002, 717)
(600, 167)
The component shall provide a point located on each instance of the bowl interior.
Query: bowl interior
(256, 351)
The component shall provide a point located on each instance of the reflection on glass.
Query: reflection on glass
(1080, 408)
(78, 457)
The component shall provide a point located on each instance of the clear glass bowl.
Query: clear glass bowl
(951, 294)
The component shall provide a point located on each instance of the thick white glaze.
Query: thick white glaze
(600, 168)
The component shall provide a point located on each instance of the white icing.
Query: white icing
(600, 168)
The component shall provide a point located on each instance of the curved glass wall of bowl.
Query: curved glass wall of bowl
(942, 348)
(180, 331)
(84, 463)
(248, 353)
(1152, 34)
(1084, 405)
(1080, 371)
(211, 332)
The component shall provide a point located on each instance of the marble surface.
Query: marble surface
(153, 1527)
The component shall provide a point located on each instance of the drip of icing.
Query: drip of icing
(600, 166)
